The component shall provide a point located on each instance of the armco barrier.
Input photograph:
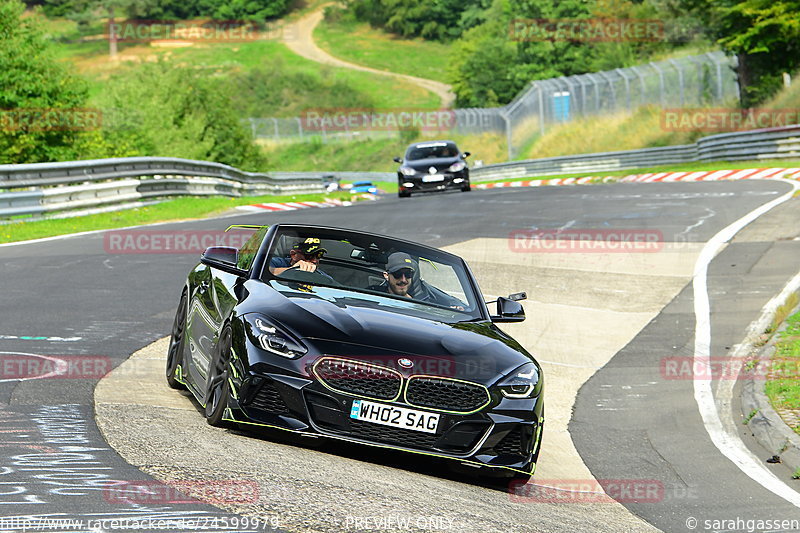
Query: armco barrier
(49, 187)
(61, 186)
(771, 143)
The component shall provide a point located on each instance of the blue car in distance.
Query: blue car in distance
(364, 187)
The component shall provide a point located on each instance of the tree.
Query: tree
(764, 35)
(32, 82)
(159, 109)
(441, 20)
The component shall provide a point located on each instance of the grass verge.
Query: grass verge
(170, 210)
(359, 43)
(193, 208)
(372, 155)
(783, 386)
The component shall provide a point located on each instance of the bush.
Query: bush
(158, 109)
(32, 79)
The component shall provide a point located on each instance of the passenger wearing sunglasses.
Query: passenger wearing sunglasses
(304, 255)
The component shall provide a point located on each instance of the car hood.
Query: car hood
(423, 165)
(477, 349)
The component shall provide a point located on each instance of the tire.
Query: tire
(466, 188)
(176, 345)
(217, 386)
(404, 194)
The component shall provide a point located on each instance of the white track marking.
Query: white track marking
(57, 372)
(724, 398)
(729, 444)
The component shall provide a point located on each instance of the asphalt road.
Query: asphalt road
(69, 297)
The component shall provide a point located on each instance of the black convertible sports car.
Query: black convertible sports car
(361, 337)
(432, 166)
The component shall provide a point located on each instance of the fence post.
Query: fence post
(611, 88)
(584, 111)
(662, 94)
(680, 76)
(718, 66)
(596, 93)
(643, 98)
(627, 87)
(507, 118)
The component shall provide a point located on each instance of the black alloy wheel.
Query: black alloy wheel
(176, 344)
(218, 388)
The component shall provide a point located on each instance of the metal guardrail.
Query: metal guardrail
(772, 143)
(40, 188)
(78, 184)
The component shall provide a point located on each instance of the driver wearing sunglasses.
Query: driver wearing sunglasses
(304, 255)
(399, 273)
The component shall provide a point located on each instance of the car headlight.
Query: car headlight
(407, 171)
(272, 339)
(457, 166)
(525, 382)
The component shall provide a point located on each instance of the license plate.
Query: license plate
(390, 415)
(432, 177)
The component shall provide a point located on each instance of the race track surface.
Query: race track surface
(601, 323)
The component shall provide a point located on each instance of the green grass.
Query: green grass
(642, 128)
(783, 389)
(311, 80)
(361, 44)
(175, 209)
(372, 155)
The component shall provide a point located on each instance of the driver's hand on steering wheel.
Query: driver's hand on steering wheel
(305, 266)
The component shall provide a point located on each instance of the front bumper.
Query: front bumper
(506, 434)
(418, 183)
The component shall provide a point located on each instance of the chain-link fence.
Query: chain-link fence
(691, 81)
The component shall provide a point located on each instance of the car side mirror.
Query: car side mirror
(397, 160)
(509, 310)
(223, 258)
(466, 155)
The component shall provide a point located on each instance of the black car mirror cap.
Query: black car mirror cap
(397, 160)
(223, 258)
(508, 311)
(466, 155)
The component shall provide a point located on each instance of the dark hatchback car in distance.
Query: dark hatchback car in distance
(432, 166)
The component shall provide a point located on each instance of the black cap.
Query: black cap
(400, 260)
(311, 245)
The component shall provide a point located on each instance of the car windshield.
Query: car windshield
(375, 271)
(431, 151)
